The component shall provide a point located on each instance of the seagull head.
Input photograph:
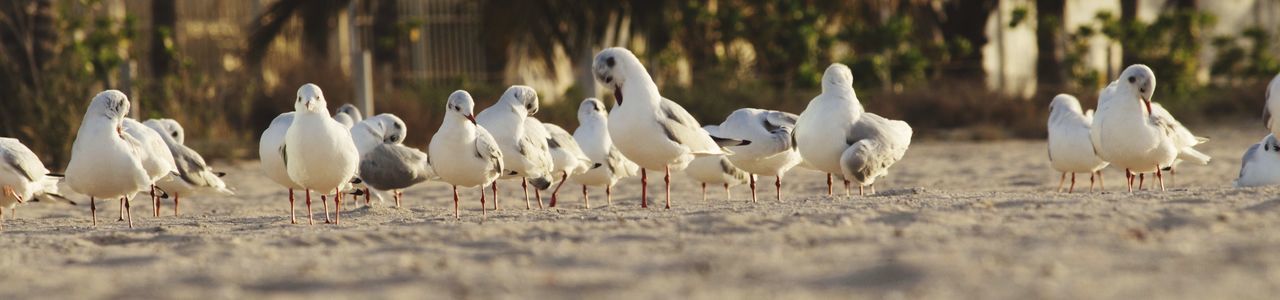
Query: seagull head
(460, 103)
(393, 128)
(589, 108)
(168, 127)
(838, 77)
(351, 111)
(521, 97)
(310, 99)
(1140, 80)
(111, 104)
(1064, 101)
(611, 67)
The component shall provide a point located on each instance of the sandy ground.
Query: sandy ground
(954, 220)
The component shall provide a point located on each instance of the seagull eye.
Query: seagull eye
(1132, 79)
(175, 134)
(609, 62)
(608, 79)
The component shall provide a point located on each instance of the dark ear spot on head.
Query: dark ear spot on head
(609, 61)
(1132, 79)
(396, 125)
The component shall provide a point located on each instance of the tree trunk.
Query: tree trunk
(966, 20)
(1050, 42)
(163, 21)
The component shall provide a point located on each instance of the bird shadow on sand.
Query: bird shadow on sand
(1264, 206)
(889, 276)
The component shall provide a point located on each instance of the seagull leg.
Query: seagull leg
(1128, 177)
(93, 211)
(495, 194)
(644, 188)
(1160, 178)
(325, 202)
(482, 206)
(667, 180)
(155, 202)
(293, 218)
(310, 220)
(846, 188)
(704, 192)
(524, 185)
(608, 195)
(1101, 186)
(366, 197)
(1073, 183)
(1, 218)
(1091, 181)
(1142, 178)
(176, 198)
(861, 190)
(828, 184)
(121, 210)
(456, 215)
(538, 194)
(777, 186)
(337, 207)
(586, 200)
(555, 194)
(727, 195)
(127, 213)
(394, 194)
(753, 188)
(1061, 180)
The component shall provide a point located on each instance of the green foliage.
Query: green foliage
(1170, 45)
(1248, 56)
(888, 56)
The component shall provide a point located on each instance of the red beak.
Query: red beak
(472, 118)
(1148, 103)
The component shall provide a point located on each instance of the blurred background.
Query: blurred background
(973, 69)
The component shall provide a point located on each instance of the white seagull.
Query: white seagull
(377, 130)
(836, 107)
(875, 144)
(272, 159)
(718, 170)
(1128, 133)
(771, 152)
(319, 154)
(1183, 137)
(390, 165)
(567, 157)
(105, 162)
(1070, 149)
(465, 154)
(348, 115)
(1260, 165)
(193, 175)
(22, 176)
(156, 158)
(592, 136)
(652, 131)
(525, 151)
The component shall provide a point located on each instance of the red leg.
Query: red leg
(644, 188)
(494, 185)
(324, 201)
(727, 196)
(293, 218)
(704, 192)
(524, 185)
(777, 186)
(310, 220)
(556, 193)
(456, 214)
(1073, 183)
(93, 211)
(828, 184)
(667, 180)
(366, 197)
(608, 195)
(482, 205)
(1091, 180)
(121, 210)
(861, 190)
(128, 214)
(395, 194)
(1160, 178)
(1142, 178)
(538, 194)
(1062, 181)
(155, 202)
(337, 207)
(753, 188)
(586, 199)
(1128, 177)
(176, 197)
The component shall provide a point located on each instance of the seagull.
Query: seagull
(1272, 107)
(1260, 165)
(106, 162)
(465, 154)
(717, 169)
(273, 160)
(319, 154)
(836, 107)
(22, 176)
(1129, 133)
(1070, 149)
(652, 131)
(592, 136)
(523, 143)
(389, 165)
(156, 158)
(875, 144)
(193, 174)
(1181, 133)
(771, 152)
(348, 115)
(567, 157)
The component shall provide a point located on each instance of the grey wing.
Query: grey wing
(682, 128)
(25, 162)
(284, 155)
(1250, 154)
(487, 148)
(733, 171)
(390, 167)
(191, 166)
(781, 126)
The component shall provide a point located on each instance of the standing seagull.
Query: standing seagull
(390, 165)
(593, 136)
(836, 107)
(105, 161)
(652, 131)
(155, 155)
(524, 147)
(348, 115)
(319, 153)
(771, 152)
(567, 157)
(273, 160)
(1260, 165)
(373, 132)
(1070, 149)
(1127, 133)
(22, 176)
(718, 169)
(465, 153)
(193, 175)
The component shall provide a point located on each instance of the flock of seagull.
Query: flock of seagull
(346, 155)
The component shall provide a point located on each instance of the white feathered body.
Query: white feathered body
(1260, 165)
(20, 179)
(1070, 148)
(319, 152)
(105, 162)
(819, 135)
(269, 154)
(769, 153)
(155, 155)
(593, 137)
(1125, 135)
(457, 157)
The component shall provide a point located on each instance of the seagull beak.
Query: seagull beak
(1147, 102)
(472, 118)
(617, 93)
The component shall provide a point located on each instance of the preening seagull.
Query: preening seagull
(465, 154)
(389, 165)
(593, 136)
(771, 152)
(319, 154)
(1070, 149)
(348, 115)
(105, 162)
(22, 176)
(875, 144)
(836, 107)
(156, 158)
(524, 147)
(193, 175)
(1260, 165)
(652, 131)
